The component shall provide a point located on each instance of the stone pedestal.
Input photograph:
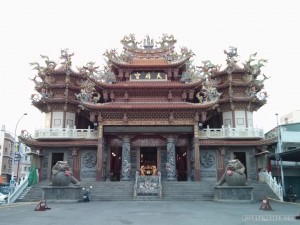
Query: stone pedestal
(62, 193)
(235, 194)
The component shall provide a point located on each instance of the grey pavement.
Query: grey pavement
(149, 212)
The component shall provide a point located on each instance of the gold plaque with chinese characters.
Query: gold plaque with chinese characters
(148, 76)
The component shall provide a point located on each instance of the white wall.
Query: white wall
(250, 119)
(70, 120)
(240, 119)
(48, 120)
(57, 119)
(227, 119)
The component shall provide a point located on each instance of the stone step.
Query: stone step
(171, 191)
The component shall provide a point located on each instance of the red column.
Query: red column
(100, 153)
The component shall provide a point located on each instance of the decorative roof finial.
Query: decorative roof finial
(148, 43)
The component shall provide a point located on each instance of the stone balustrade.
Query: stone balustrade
(73, 133)
(66, 133)
(229, 132)
(272, 182)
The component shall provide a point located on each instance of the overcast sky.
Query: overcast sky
(33, 27)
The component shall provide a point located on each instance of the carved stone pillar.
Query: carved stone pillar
(100, 153)
(170, 165)
(126, 165)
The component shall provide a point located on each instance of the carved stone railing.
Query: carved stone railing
(147, 186)
(228, 132)
(17, 190)
(65, 133)
(272, 182)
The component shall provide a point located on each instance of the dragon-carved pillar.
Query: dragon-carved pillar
(170, 165)
(126, 165)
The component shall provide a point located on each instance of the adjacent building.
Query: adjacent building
(6, 156)
(284, 155)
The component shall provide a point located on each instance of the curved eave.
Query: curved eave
(224, 72)
(31, 142)
(54, 100)
(234, 84)
(62, 85)
(152, 51)
(147, 105)
(253, 100)
(61, 70)
(175, 63)
(149, 84)
(239, 99)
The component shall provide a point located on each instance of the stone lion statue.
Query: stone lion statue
(234, 174)
(62, 175)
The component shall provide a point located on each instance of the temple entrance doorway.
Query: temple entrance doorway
(181, 163)
(55, 158)
(148, 160)
(115, 164)
(242, 157)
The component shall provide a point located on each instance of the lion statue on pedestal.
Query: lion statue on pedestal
(62, 175)
(234, 174)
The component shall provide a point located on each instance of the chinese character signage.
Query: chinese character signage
(151, 76)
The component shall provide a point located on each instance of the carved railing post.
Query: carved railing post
(126, 165)
(170, 165)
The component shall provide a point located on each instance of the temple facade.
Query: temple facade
(149, 107)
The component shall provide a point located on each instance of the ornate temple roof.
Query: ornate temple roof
(135, 67)
(148, 53)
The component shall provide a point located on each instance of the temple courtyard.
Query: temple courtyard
(148, 212)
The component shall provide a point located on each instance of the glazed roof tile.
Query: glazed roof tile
(61, 143)
(151, 62)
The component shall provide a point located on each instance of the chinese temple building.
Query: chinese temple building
(149, 107)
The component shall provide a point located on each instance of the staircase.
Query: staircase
(32, 194)
(111, 191)
(171, 191)
(261, 190)
(187, 191)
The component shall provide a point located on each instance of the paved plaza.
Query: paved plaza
(148, 212)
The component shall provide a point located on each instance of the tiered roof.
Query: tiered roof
(202, 87)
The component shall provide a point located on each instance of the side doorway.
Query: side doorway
(242, 157)
(115, 164)
(54, 159)
(181, 163)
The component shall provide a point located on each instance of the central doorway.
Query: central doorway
(148, 157)
(115, 164)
